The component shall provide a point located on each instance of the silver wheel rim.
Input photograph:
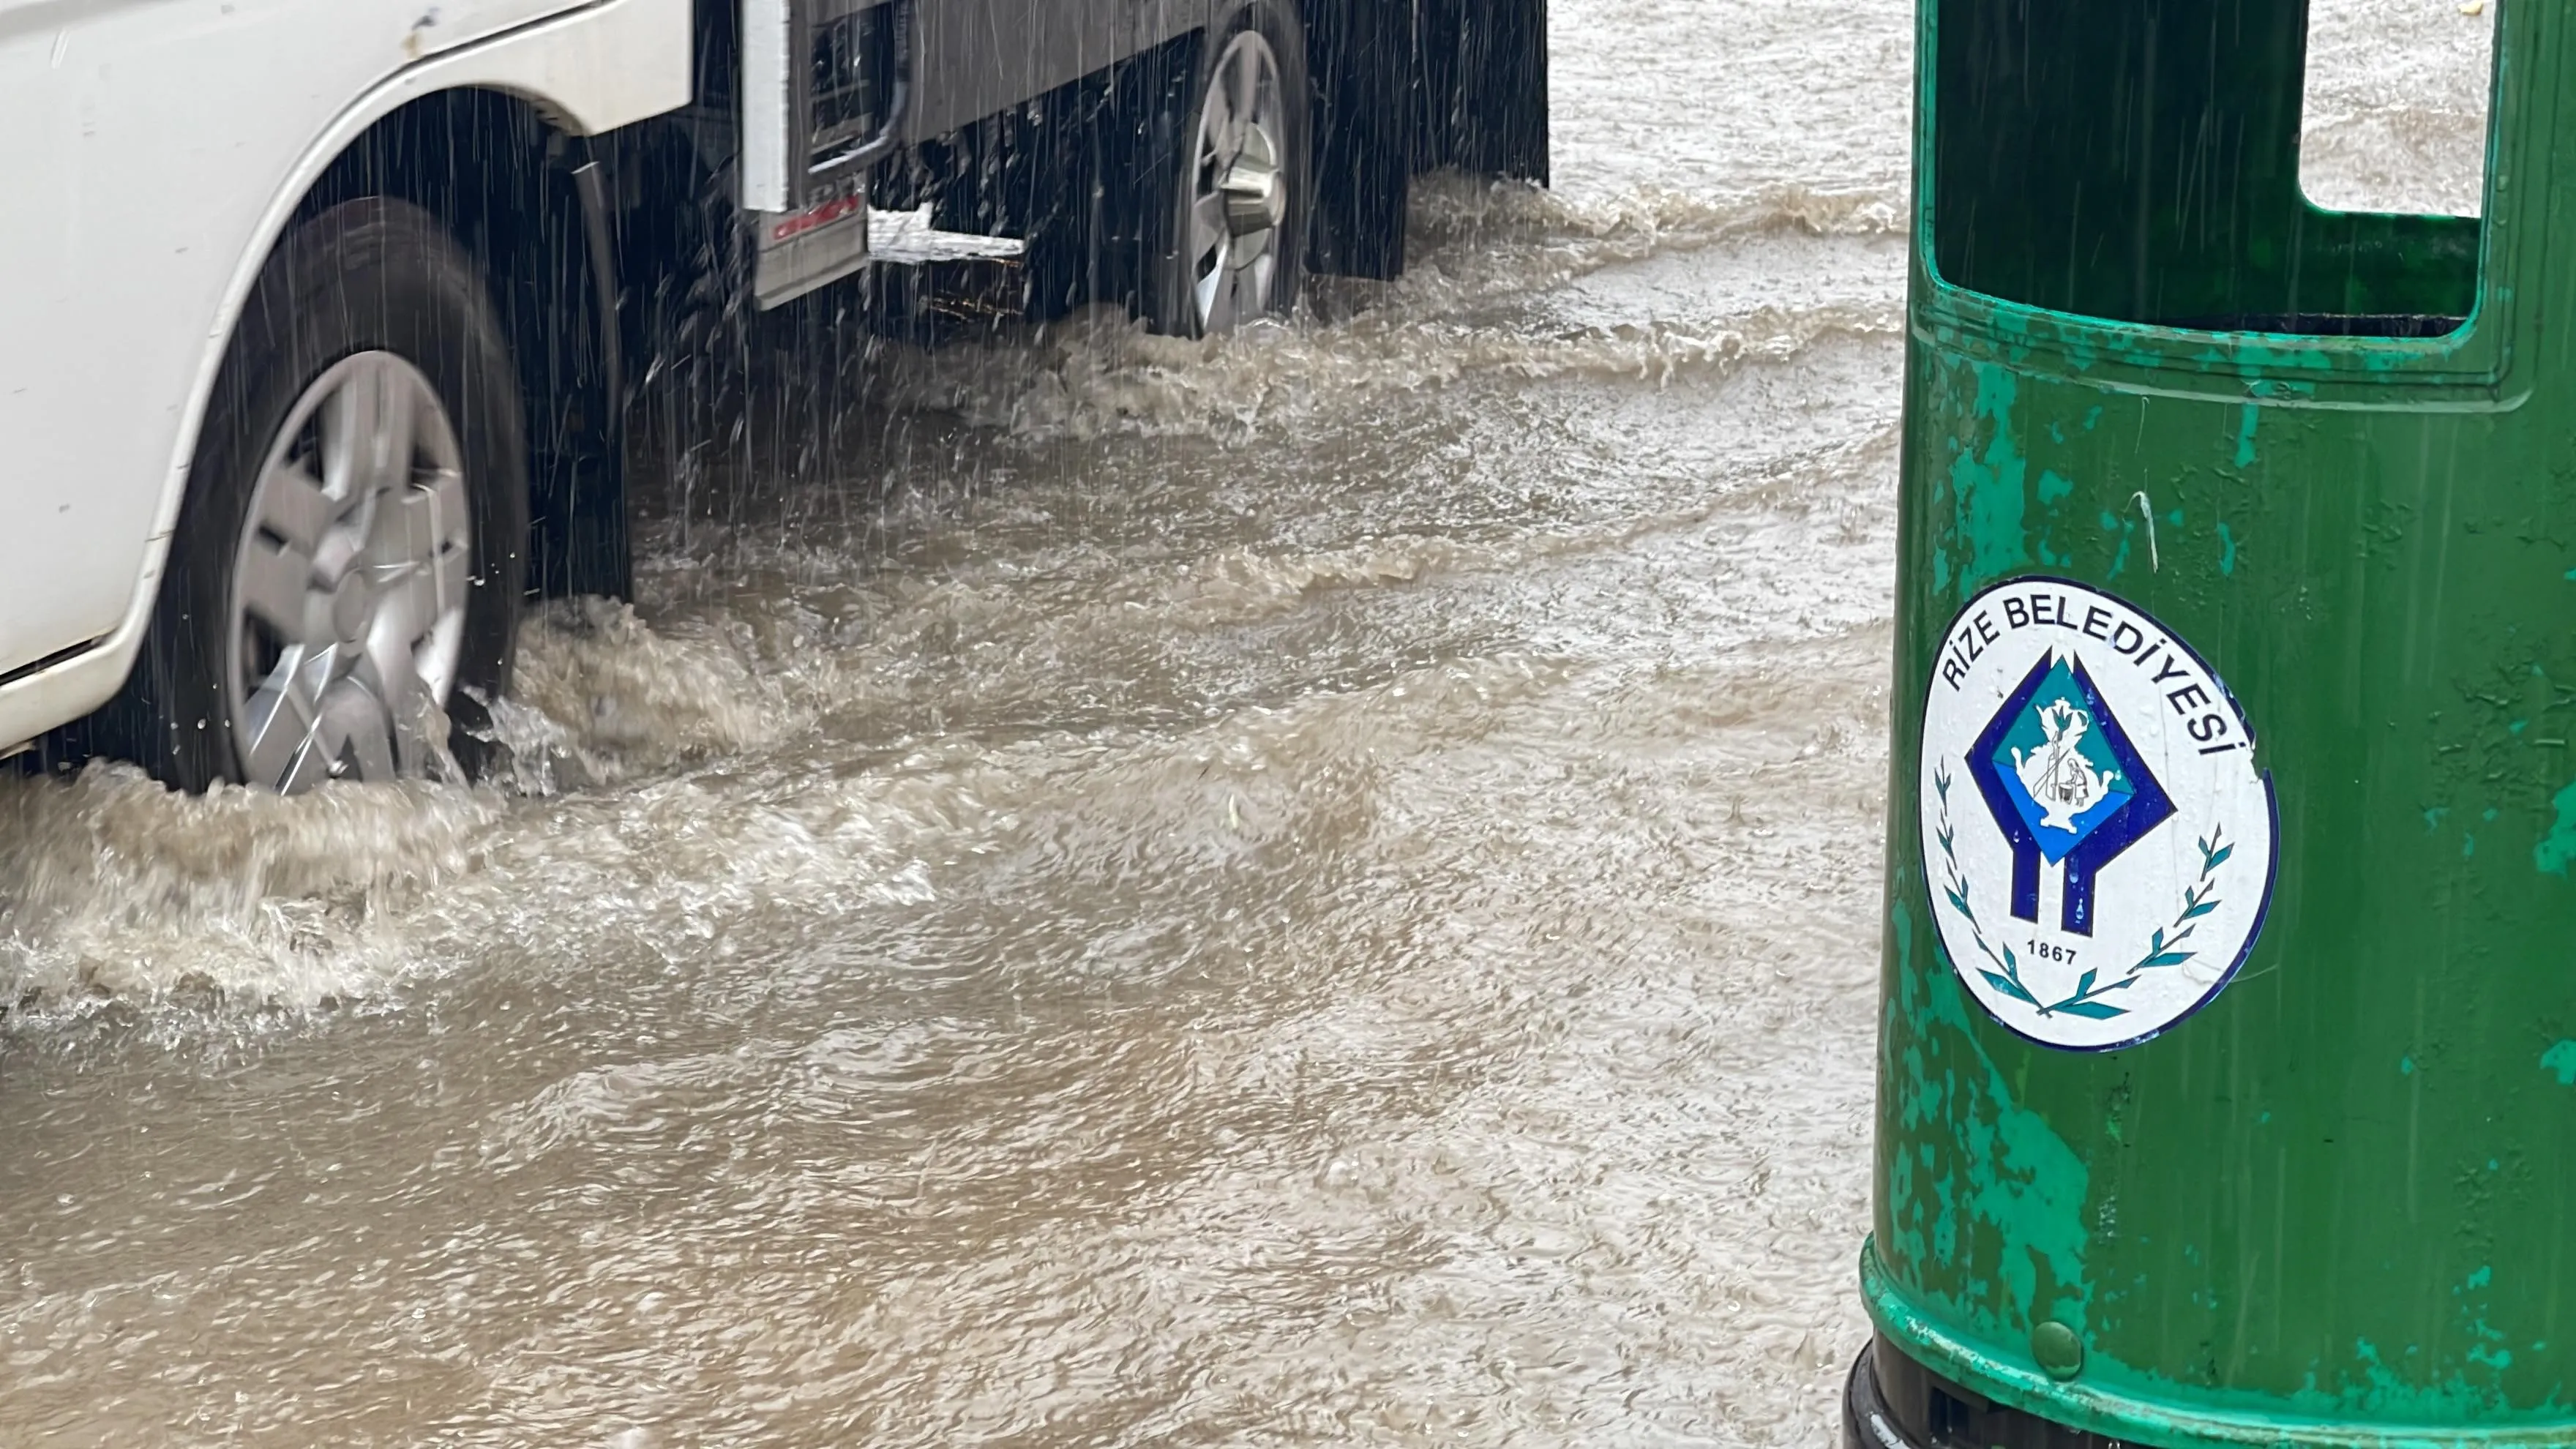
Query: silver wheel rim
(350, 585)
(1238, 187)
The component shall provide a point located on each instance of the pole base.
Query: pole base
(1867, 1422)
(1892, 1402)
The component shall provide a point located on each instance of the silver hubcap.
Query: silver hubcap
(349, 591)
(1238, 191)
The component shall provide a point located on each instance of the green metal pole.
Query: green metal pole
(2227, 1072)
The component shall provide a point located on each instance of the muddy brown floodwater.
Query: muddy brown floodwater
(1316, 889)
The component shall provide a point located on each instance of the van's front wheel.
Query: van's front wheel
(350, 560)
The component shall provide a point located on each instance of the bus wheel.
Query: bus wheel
(348, 566)
(1231, 249)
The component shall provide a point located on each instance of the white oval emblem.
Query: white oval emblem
(2098, 841)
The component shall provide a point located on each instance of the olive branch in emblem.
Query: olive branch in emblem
(2007, 978)
(2163, 948)
(2198, 899)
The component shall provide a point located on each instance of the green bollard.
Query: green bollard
(2227, 1067)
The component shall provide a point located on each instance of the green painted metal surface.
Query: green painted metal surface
(2336, 1204)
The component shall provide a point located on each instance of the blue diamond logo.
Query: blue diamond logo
(2064, 785)
(2056, 765)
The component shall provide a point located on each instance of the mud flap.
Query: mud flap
(577, 467)
(1406, 88)
(1362, 59)
(1482, 92)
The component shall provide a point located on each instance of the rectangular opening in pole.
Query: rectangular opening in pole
(2140, 161)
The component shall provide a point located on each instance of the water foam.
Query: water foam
(122, 889)
(1100, 374)
(600, 695)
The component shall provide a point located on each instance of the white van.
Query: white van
(320, 320)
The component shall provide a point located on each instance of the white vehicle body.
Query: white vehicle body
(153, 151)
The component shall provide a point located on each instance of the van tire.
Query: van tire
(375, 293)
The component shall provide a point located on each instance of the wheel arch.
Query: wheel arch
(522, 194)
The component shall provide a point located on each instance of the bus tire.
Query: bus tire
(344, 584)
(1229, 245)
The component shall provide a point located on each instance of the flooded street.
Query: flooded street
(1319, 888)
